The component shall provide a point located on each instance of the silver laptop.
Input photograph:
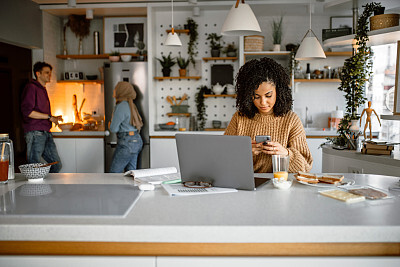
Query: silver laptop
(223, 160)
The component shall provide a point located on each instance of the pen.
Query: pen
(172, 181)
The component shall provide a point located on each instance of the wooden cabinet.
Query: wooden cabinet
(81, 155)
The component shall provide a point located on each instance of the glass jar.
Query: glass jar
(6, 158)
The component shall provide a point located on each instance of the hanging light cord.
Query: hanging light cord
(310, 15)
(172, 15)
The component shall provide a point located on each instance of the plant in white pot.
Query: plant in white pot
(215, 44)
(183, 64)
(230, 50)
(277, 34)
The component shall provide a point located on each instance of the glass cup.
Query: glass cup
(4, 163)
(280, 166)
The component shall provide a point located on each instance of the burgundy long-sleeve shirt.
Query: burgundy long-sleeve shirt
(35, 98)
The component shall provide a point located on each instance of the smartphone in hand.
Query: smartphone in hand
(263, 139)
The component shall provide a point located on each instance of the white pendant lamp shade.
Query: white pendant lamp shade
(173, 40)
(240, 21)
(172, 37)
(310, 48)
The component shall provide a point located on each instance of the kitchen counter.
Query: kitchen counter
(298, 221)
(79, 134)
(310, 133)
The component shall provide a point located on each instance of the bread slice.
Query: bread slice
(331, 179)
(307, 180)
(307, 175)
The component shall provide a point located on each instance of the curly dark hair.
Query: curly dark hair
(251, 75)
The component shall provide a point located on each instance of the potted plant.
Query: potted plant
(114, 56)
(141, 52)
(277, 34)
(230, 50)
(215, 44)
(166, 62)
(193, 37)
(182, 63)
(81, 27)
(355, 73)
(201, 108)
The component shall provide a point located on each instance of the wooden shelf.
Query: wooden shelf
(317, 80)
(101, 56)
(269, 53)
(81, 81)
(339, 54)
(219, 58)
(176, 78)
(206, 96)
(179, 114)
(179, 31)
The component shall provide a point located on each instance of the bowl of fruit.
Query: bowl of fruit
(167, 126)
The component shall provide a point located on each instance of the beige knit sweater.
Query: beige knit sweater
(286, 130)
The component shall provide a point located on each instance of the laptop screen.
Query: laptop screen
(223, 160)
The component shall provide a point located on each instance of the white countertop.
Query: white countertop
(267, 215)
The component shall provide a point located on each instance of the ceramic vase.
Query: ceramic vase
(113, 58)
(182, 72)
(80, 48)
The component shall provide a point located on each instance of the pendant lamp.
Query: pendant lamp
(310, 47)
(172, 37)
(240, 21)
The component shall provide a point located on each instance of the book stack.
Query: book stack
(377, 148)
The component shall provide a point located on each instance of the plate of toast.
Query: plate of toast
(322, 180)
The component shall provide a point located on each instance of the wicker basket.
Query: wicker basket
(383, 21)
(253, 43)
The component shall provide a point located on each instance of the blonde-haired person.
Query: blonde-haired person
(126, 122)
(264, 107)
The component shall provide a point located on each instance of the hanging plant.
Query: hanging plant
(193, 37)
(201, 109)
(355, 73)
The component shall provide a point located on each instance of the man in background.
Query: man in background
(37, 118)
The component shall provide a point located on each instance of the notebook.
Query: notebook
(224, 160)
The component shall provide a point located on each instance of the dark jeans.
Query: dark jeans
(127, 152)
(40, 144)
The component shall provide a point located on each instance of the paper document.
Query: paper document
(155, 175)
(180, 190)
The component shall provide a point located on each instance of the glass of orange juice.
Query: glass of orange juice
(280, 166)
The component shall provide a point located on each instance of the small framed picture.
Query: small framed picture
(341, 22)
(123, 33)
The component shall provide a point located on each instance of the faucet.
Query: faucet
(309, 120)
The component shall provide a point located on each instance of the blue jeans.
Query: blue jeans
(41, 144)
(127, 152)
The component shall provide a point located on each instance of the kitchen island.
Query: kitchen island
(265, 222)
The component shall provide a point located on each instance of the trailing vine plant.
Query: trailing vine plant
(201, 109)
(355, 73)
(193, 37)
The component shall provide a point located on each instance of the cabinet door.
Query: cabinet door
(313, 144)
(89, 155)
(66, 151)
(163, 153)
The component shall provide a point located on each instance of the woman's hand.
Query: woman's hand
(256, 148)
(274, 148)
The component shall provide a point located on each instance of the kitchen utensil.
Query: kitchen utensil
(174, 98)
(45, 165)
(126, 58)
(217, 89)
(65, 126)
(80, 109)
(183, 98)
(169, 99)
(91, 77)
(165, 126)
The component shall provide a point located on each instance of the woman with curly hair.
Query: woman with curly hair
(264, 107)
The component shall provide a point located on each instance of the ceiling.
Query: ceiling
(260, 7)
